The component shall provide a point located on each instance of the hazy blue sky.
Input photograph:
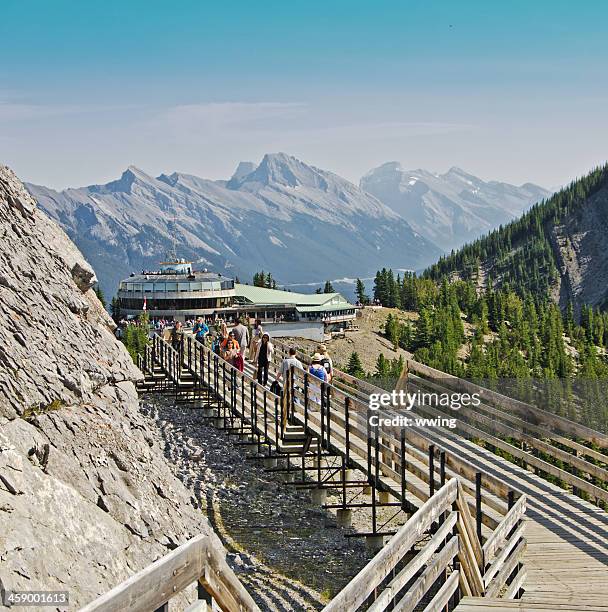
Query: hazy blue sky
(515, 91)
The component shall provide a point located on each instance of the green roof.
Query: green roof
(276, 297)
(325, 307)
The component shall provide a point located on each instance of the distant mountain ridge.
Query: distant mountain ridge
(449, 209)
(300, 222)
(558, 249)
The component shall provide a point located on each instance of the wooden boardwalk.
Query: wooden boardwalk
(567, 537)
(565, 554)
(476, 604)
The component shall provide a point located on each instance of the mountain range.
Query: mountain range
(557, 249)
(301, 223)
(449, 209)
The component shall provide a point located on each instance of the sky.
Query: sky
(514, 91)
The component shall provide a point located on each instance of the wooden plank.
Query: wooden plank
(506, 570)
(504, 553)
(466, 557)
(153, 586)
(409, 571)
(360, 587)
(467, 521)
(503, 530)
(426, 580)
(443, 595)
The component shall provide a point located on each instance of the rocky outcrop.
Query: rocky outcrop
(86, 496)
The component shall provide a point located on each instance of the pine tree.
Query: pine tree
(100, 295)
(382, 366)
(362, 297)
(354, 366)
(328, 288)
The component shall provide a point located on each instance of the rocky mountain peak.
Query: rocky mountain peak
(282, 170)
(449, 209)
(242, 170)
(132, 175)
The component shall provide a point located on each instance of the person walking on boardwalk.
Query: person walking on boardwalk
(200, 330)
(241, 335)
(230, 352)
(326, 361)
(256, 338)
(227, 339)
(317, 369)
(263, 359)
(177, 335)
(286, 364)
(223, 331)
(318, 374)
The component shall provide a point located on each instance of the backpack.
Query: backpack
(215, 347)
(318, 372)
(275, 387)
(326, 363)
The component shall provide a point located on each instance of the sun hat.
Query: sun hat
(316, 358)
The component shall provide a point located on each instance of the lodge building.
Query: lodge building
(177, 292)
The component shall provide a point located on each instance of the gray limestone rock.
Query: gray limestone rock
(85, 499)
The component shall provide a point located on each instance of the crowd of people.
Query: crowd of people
(239, 342)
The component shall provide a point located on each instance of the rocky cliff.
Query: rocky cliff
(86, 496)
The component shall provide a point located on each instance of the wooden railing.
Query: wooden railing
(583, 468)
(444, 568)
(544, 439)
(406, 464)
(201, 560)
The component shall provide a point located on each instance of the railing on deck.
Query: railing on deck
(501, 421)
(544, 440)
(202, 561)
(443, 569)
(405, 464)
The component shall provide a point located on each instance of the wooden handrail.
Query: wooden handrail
(201, 559)
(555, 422)
(367, 580)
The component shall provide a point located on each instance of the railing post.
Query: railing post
(431, 470)
(328, 411)
(347, 428)
(306, 401)
(402, 469)
(478, 513)
(323, 413)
